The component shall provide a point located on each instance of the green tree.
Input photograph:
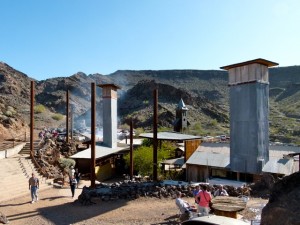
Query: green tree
(143, 156)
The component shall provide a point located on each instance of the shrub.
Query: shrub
(11, 109)
(39, 109)
(57, 116)
(66, 163)
(8, 113)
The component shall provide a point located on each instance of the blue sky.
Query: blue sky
(58, 38)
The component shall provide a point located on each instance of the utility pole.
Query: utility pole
(131, 149)
(31, 118)
(155, 121)
(67, 117)
(93, 133)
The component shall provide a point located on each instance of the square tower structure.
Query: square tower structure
(249, 115)
(110, 117)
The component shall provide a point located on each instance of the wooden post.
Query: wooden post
(93, 133)
(31, 118)
(155, 121)
(131, 149)
(67, 118)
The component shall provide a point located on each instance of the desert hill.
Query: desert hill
(205, 93)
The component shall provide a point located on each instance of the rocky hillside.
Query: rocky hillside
(14, 101)
(205, 93)
(137, 103)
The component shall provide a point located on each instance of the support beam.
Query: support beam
(67, 117)
(155, 144)
(131, 149)
(93, 133)
(31, 118)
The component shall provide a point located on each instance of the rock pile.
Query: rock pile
(50, 151)
(134, 189)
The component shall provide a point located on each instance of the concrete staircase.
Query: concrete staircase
(15, 172)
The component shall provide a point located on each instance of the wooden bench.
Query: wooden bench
(228, 206)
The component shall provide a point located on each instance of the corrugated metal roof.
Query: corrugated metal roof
(213, 159)
(177, 161)
(218, 155)
(170, 136)
(100, 152)
(279, 166)
(214, 147)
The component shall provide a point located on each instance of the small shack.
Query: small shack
(109, 161)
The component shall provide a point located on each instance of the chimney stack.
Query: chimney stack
(110, 96)
(249, 115)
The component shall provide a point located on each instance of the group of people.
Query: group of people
(202, 199)
(34, 183)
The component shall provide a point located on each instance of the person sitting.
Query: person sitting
(185, 208)
(220, 192)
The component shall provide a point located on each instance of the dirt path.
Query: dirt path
(56, 206)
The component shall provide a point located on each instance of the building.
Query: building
(181, 122)
(249, 153)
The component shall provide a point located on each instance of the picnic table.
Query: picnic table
(228, 206)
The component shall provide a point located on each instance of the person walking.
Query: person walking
(73, 183)
(33, 186)
(205, 198)
(77, 176)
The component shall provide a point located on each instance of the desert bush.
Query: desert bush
(66, 163)
(139, 131)
(11, 109)
(8, 113)
(39, 109)
(214, 122)
(57, 116)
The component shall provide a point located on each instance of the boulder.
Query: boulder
(283, 207)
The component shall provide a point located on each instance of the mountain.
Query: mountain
(205, 92)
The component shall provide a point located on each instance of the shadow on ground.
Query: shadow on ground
(74, 212)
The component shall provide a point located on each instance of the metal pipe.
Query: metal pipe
(155, 121)
(131, 149)
(31, 118)
(93, 132)
(67, 117)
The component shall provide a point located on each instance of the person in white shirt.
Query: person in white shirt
(221, 191)
(185, 208)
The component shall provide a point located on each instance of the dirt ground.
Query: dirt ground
(56, 206)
